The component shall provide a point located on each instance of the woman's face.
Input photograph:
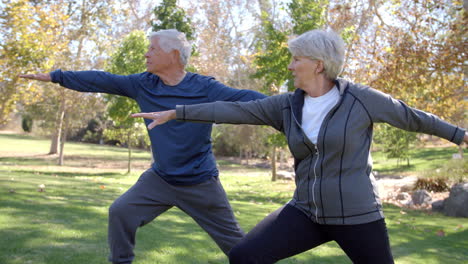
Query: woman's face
(303, 69)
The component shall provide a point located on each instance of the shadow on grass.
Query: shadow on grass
(67, 174)
(70, 160)
(19, 137)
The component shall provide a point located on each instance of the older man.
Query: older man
(184, 172)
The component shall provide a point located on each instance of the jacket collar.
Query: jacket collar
(297, 104)
(342, 85)
(298, 98)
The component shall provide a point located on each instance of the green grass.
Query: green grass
(422, 161)
(68, 222)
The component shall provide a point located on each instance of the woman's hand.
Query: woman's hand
(158, 118)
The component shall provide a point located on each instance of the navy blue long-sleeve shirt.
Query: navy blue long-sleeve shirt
(182, 150)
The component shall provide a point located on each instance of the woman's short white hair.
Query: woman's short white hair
(172, 39)
(326, 46)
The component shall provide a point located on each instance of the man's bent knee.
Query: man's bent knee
(117, 209)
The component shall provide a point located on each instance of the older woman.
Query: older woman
(328, 123)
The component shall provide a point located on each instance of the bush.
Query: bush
(454, 170)
(27, 123)
(439, 184)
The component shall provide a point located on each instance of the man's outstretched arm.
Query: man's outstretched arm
(89, 81)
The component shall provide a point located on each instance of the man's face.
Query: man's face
(156, 59)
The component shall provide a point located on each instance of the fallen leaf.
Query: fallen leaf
(102, 187)
(41, 188)
(440, 233)
(402, 212)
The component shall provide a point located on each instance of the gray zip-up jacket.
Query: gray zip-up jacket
(334, 181)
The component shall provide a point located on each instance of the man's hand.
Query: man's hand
(43, 77)
(158, 117)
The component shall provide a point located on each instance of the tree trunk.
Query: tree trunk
(62, 144)
(273, 163)
(152, 157)
(282, 158)
(129, 168)
(58, 128)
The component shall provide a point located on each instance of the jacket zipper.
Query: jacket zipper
(315, 180)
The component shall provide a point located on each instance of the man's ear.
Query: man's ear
(176, 55)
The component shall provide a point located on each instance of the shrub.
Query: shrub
(439, 184)
(27, 123)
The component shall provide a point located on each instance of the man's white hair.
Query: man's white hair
(172, 39)
(326, 46)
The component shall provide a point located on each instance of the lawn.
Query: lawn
(67, 223)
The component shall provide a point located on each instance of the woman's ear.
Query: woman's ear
(320, 67)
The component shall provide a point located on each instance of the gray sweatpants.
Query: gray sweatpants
(151, 196)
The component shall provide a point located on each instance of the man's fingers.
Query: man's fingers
(45, 77)
(144, 115)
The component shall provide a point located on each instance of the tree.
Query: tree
(169, 15)
(30, 30)
(128, 59)
(421, 59)
(395, 142)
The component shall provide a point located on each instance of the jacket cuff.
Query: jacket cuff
(56, 76)
(458, 136)
(180, 112)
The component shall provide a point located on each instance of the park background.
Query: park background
(65, 156)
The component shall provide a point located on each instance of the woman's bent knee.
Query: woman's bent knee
(235, 255)
(241, 254)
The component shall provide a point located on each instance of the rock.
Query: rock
(457, 202)
(421, 197)
(438, 206)
(285, 175)
(403, 196)
(408, 203)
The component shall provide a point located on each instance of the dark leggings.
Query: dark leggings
(287, 232)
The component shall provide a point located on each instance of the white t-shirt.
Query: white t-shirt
(314, 111)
